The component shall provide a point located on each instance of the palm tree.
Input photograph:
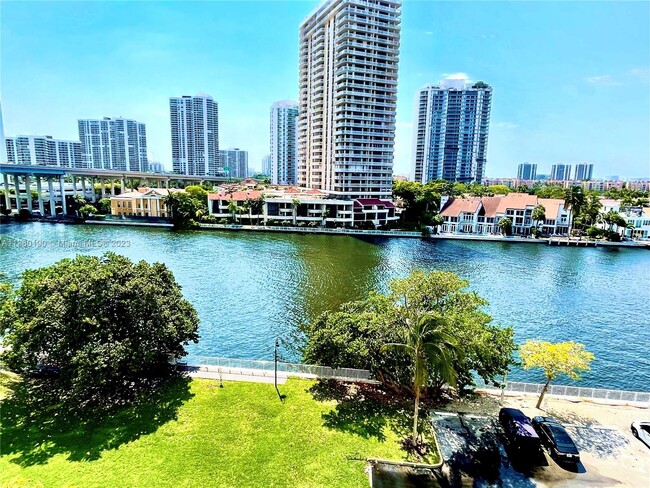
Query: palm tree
(538, 215)
(592, 208)
(574, 200)
(232, 208)
(430, 348)
(257, 207)
(294, 209)
(170, 201)
(505, 226)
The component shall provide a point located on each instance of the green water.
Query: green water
(250, 288)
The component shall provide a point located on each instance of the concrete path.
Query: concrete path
(238, 374)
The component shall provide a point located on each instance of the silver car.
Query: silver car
(641, 430)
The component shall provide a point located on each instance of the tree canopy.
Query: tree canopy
(568, 358)
(354, 335)
(109, 326)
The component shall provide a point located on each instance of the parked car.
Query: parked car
(641, 430)
(518, 430)
(555, 437)
(44, 371)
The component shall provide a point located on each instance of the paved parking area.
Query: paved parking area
(476, 455)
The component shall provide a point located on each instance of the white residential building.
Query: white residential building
(284, 142)
(349, 53)
(44, 151)
(195, 135)
(235, 162)
(450, 131)
(298, 207)
(482, 215)
(113, 143)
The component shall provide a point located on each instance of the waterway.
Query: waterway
(250, 288)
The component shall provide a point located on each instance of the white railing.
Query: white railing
(637, 397)
(349, 374)
(314, 230)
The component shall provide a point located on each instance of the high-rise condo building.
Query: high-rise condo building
(44, 151)
(195, 135)
(283, 142)
(349, 54)
(584, 172)
(450, 135)
(266, 165)
(561, 172)
(235, 162)
(527, 171)
(113, 143)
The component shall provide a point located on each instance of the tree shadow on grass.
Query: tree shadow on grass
(362, 409)
(35, 434)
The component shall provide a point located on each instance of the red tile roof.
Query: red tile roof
(551, 207)
(455, 206)
(490, 205)
(238, 196)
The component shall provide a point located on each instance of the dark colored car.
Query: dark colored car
(44, 371)
(518, 430)
(555, 437)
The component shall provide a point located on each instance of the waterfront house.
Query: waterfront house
(375, 210)
(282, 205)
(143, 202)
(482, 215)
(637, 218)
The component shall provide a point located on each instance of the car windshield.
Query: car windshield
(560, 436)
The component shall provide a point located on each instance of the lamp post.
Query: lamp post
(275, 360)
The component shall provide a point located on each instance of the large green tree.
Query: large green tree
(353, 335)
(109, 325)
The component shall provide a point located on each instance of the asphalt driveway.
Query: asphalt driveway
(475, 454)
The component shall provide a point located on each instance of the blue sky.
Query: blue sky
(571, 79)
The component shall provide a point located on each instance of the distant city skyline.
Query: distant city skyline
(584, 98)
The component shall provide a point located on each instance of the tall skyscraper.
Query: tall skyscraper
(44, 151)
(195, 135)
(527, 171)
(584, 172)
(450, 134)
(283, 142)
(236, 161)
(113, 143)
(266, 165)
(561, 172)
(349, 54)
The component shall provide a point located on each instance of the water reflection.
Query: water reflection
(250, 288)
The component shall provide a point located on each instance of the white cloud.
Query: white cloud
(505, 125)
(602, 80)
(456, 76)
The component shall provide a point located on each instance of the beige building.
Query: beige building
(143, 202)
(349, 53)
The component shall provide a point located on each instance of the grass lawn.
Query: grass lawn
(197, 434)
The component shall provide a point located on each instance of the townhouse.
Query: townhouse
(481, 215)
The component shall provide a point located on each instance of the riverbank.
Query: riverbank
(557, 241)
